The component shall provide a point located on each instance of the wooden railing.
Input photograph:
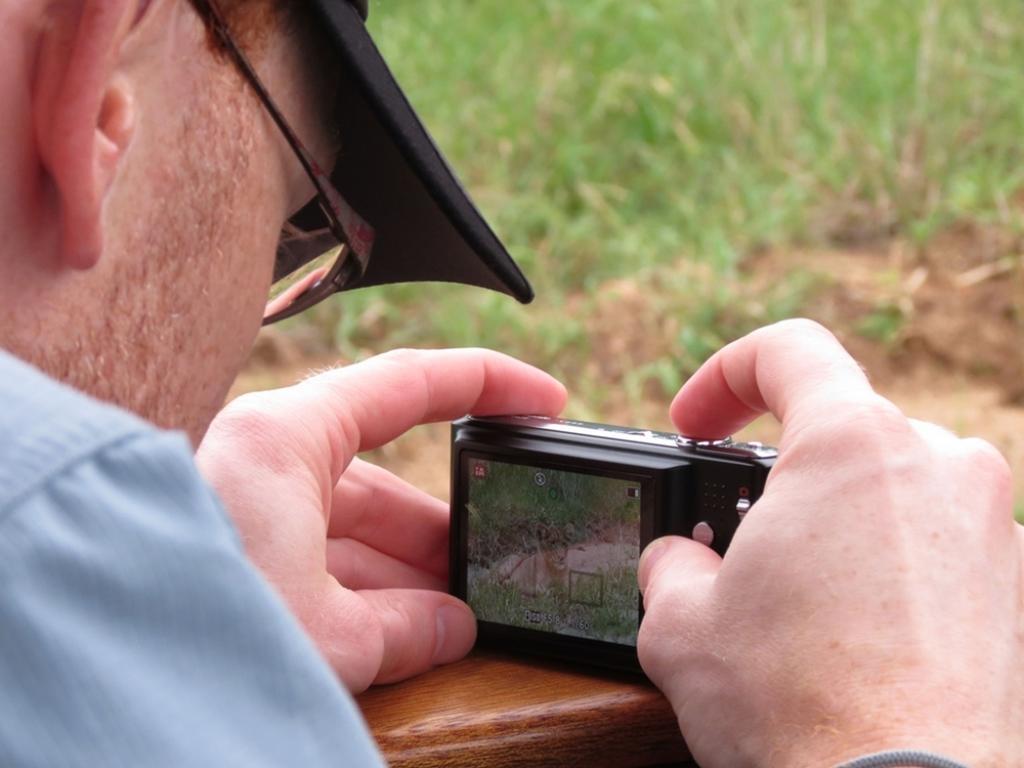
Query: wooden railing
(493, 711)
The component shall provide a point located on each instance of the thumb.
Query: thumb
(678, 566)
(421, 629)
(675, 576)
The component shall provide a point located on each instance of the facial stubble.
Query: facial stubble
(167, 328)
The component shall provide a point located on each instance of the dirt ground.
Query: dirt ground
(939, 330)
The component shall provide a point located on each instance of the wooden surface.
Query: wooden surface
(494, 711)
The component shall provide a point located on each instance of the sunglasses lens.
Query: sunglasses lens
(311, 251)
(293, 292)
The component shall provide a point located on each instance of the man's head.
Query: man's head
(148, 174)
(144, 193)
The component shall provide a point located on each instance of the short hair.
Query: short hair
(250, 21)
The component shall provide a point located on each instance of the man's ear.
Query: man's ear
(84, 115)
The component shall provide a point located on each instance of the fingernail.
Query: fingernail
(650, 556)
(448, 645)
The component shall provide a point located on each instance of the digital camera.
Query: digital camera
(549, 517)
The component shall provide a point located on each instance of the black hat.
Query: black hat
(394, 176)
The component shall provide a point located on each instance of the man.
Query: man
(156, 156)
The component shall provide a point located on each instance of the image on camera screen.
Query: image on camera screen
(553, 550)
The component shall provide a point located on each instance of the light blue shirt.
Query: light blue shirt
(133, 630)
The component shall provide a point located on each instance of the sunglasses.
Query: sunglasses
(324, 248)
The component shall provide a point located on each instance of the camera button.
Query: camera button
(746, 451)
(703, 533)
(725, 442)
(742, 507)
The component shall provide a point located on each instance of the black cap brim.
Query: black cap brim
(394, 176)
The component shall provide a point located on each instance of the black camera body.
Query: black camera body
(549, 517)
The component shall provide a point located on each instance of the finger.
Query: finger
(365, 405)
(373, 506)
(676, 564)
(357, 566)
(795, 369)
(676, 576)
(934, 433)
(420, 630)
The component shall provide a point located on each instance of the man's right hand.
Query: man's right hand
(360, 556)
(872, 598)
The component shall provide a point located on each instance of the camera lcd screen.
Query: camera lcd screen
(553, 550)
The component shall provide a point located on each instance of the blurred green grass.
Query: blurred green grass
(648, 147)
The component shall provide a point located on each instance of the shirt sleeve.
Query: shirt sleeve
(133, 630)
